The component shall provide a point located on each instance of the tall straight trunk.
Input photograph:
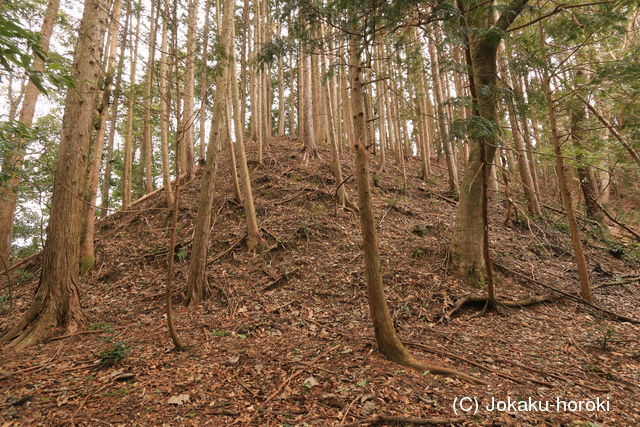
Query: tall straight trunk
(292, 85)
(561, 171)
(244, 51)
(128, 140)
(526, 135)
(520, 149)
(382, 113)
(281, 104)
(13, 161)
(57, 302)
(336, 168)
(164, 109)
(197, 283)
(436, 78)
(586, 177)
(188, 110)
(204, 82)
(87, 255)
(254, 237)
(147, 131)
(309, 150)
(115, 106)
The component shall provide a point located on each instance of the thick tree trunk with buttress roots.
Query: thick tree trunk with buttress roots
(388, 342)
(57, 301)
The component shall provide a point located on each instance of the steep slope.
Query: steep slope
(286, 337)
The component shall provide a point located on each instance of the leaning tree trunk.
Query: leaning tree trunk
(57, 301)
(13, 160)
(254, 237)
(197, 282)
(561, 171)
(164, 111)
(388, 341)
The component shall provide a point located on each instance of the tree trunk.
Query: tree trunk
(147, 130)
(386, 337)
(254, 238)
(87, 255)
(442, 120)
(13, 160)
(197, 283)
(128, 141)
(164, 110)
(57, 301)
(585, 287)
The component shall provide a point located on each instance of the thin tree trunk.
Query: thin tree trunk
(442, 120)
(386, 337)
(254, 238)
(164, 110)
(128, 142)
(583, 273)
(147, 130)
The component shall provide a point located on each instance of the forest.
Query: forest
(320, 212)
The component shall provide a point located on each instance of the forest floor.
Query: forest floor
(286, 337)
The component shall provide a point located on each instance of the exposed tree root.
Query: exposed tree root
(396, 420)
(611, 314)
(477, 300)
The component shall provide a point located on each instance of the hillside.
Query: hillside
(286, 337)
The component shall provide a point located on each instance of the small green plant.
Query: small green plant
(182, 253)
(24, 275)
(606, 337)
(120, 391)
(418, 253)
(561, 226)
(101, 326)
(116, 352)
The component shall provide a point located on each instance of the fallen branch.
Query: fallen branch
(229, 249)
(392, 419)
(572, 297)
(616, 283)
(277, 281)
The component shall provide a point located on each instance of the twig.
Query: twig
(229, 249)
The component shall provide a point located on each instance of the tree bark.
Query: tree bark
(57, 301)
(87, 255)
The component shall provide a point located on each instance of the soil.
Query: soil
(286, 338)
